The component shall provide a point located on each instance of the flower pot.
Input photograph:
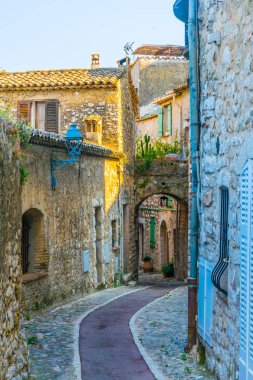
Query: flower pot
(147, 266)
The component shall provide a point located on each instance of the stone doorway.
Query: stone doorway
(164, 248)
(34, 254)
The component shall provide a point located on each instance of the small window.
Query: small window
(219, 274)
(92, 128)
(114, 233)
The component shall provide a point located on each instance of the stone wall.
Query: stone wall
(154, 77)
(74, 105)
(226, 76)
(13, 349)
(69, 222)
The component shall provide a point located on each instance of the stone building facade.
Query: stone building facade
(160, 77)
(226, 146)
(72, 237)
(13, 348)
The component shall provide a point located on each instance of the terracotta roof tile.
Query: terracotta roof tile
(160, 50)
(59, 79)
(169, 94)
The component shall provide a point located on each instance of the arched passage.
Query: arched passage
(161, 233)
(34, 254)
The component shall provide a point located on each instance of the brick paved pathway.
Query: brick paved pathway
(107, 348)
(160, 331)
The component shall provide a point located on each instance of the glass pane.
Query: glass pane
(40, 116)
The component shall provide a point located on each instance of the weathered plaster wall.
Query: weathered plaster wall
(148, 127)
(13, 349)
(226, 74)
(180, 122)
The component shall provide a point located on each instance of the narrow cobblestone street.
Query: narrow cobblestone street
(159, 330)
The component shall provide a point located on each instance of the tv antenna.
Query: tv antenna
(128, 48)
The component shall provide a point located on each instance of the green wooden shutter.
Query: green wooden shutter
(169, 110)
(169, 201)
(152, 232)
(160, 122)
(51, 124)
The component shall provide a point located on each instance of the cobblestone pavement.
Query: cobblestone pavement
(160, 331)
(54, 336)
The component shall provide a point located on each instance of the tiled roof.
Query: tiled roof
(59, 79)
(160, 50)
(50, 139)
(147, 116)
(169, 94)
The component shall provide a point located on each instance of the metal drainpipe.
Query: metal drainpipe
(119, 229)
(194, 143)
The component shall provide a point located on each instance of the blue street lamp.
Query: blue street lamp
(74, 139)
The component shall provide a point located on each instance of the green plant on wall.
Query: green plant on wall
(24, 174)
(15, 130)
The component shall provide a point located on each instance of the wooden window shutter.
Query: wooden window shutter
(152, 232)
(24, 111)
(51, 120)
(205, 300)
(160, 122)
(246, 273)
(169, 110)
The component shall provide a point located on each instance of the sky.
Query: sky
(56, 34)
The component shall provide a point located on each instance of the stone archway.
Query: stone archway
(164, 176)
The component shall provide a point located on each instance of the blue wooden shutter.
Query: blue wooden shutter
(201, 298)
(86, 261)
(246, 273)
(152, 232)
(160, 122)
(169, 110)
(209, 304)
(205, 300)
(106, 251)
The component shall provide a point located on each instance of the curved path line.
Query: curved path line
(106, 345)
(77, 359)
(132, 324)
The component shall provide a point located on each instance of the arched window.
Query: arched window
(34, 254)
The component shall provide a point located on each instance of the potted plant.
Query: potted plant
(147, 264)
(168, 270)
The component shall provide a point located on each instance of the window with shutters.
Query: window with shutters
(246, 274)
(165, 121)
(92, 128)
(205, 300)
(42, 114)
(152, 231)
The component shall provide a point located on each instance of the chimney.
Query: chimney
(95, 61)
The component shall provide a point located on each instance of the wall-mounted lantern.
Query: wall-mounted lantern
(163, 201)
(74, 138)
